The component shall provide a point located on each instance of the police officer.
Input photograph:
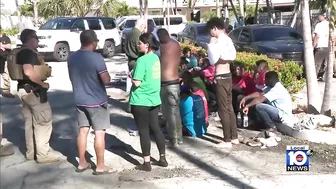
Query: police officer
(5, 47)
(36, 111)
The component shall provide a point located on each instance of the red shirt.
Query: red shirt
(260, 81)
(246, 82)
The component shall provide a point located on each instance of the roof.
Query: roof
(261, 26)
(77, 18)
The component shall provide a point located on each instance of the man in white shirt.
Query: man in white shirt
(221, 53)
(320, 42)
(272, 105)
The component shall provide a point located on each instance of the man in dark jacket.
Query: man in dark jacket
(5, 47)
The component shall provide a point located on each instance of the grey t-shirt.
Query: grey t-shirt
(84, 69)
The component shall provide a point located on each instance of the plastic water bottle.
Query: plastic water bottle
(239, 119)
(245, 121)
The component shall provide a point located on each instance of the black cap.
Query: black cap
(87, 37)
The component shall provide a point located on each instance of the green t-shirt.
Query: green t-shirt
(201, 85)
(148, 71)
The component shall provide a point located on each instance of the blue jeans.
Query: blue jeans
(267, 115)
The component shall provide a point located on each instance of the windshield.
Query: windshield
(275, 33)
(119, 20)
(57, 24)
(202, 30)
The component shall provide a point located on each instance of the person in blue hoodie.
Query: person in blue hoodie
(192, 113)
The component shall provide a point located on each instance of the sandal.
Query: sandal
(79, 170)
(105, 172)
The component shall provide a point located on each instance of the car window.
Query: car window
(108, 24)
(202, 30)
(275, 34)
(175, 20)
(192, 31)
(78, 25)
(235, 34)
(186, 29)
(94, 24)
(58, 24)
(130, 23)
(158, 21)
(245, 35)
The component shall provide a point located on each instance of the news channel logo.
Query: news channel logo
(297, 157)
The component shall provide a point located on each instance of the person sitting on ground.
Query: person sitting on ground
(192, 113)
(262, 68)
(201, 57)
(190, 84)
(242, 85)
(208, 72)
(272, 106)
(193, 62)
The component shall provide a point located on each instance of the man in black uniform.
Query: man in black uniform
(35, 107)
(5, 47)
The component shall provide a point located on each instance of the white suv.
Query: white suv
(60, 36)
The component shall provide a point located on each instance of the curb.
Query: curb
(309, 135)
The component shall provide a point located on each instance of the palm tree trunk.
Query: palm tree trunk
(328, 83)
(313, 94)
(256, 12)
(217, 8)
(234, 9)
(19, 15)
(141, 8)
(226, 9)
(241, 8)
(270, 12)
(175, 8)
(297, 9)
(35, 11)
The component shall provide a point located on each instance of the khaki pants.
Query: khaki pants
(38, 124)
(6, 80)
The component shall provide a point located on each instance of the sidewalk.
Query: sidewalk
(197, 164)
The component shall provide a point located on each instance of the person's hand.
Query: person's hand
(213, 40)
(242, 103)
(45, 85)
(245, 110)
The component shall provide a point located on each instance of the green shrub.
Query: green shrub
(289, 72)
(10, 31)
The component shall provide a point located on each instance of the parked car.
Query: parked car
(196, 34)
(126, 25)
(275, 41)
(60, 36)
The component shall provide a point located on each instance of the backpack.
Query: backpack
(16, 70)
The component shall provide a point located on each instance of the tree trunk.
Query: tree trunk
(20, 25)
(217, 8)
(141, 5)
(175, 8)
(146, 13)
(168, 14)
(234, 9)
(256, 12)
(191, 7)
(296, 12)
(313, 92)
(270, 12)
(35, 11)
(329, 74)
(241, 8)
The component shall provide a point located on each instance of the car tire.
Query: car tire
(61, 52)
(109, 49)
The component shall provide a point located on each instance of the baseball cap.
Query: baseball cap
(88, 36)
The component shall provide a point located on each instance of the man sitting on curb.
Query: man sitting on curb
(273, 105)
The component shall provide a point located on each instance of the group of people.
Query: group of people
(159, 82)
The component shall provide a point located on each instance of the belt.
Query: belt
(321, 48)
(172, 82)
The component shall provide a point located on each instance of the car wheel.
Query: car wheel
(61, 52)
(109, 49)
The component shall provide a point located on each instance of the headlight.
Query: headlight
(274, 55)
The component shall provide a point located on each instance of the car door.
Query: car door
(76, 29)
(234, 35)
(192, 35)
(96, 25)
(244, 40)
(183, 34)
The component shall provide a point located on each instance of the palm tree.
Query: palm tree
(191, 6)
(35, 10)
(256, 12)
(122, 9)
(314, 98)
(53, 8)
(241, 8)
(217, 9)
(328, 83)
(296, 11)
(270, 11)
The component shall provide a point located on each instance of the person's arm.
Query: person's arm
(139, 72)
(256, 101)
(102, 70)
(27, 58)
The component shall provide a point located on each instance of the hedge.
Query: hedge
(289, 72)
